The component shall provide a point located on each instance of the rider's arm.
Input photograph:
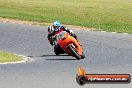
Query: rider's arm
(70, 32)
(65, 29)
(50, 38)
(51, 34)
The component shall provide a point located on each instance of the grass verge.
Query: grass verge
(8, 57)
(109, 15)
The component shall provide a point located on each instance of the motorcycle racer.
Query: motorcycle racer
(57, 28)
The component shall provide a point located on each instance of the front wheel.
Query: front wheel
(82, 56)
(74, 52)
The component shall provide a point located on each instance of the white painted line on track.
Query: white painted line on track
(103, 31)
(114, 32)
(125, 33)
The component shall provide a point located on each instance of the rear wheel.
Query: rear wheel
(74, 52)
(58, 50)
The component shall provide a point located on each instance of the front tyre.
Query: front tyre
(74, 52)
(82, 56)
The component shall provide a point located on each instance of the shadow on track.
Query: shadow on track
(48, 55)
(52, 56)
(60, 59)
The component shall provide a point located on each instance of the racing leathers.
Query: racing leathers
(52, 32)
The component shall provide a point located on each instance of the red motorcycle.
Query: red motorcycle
(69, 45)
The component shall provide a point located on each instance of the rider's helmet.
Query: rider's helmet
(56, 24)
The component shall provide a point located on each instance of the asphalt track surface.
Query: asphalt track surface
(105, 53)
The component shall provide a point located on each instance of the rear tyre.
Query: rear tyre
(74, 52)
(58, 50)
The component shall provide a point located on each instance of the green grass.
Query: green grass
(7, 57)
(109, 15)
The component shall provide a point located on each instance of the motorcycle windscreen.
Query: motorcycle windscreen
(61, 36)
